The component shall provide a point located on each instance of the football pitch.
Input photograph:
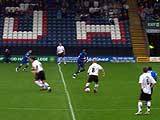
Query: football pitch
(21, 99)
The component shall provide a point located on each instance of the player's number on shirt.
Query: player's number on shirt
(147, 81)
(37, 67)
(93, 70)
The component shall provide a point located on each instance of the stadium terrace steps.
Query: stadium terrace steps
(139, 42)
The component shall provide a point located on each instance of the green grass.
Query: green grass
(20, 98)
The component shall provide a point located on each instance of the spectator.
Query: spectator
(7, 56)
(64, 8)
(149, 9)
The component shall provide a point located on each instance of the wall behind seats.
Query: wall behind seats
(71, 51)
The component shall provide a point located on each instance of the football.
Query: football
(87, 90)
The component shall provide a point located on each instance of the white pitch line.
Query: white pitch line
(113, 109)
(80, 109)
(67, 94)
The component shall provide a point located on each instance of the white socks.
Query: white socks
(45, 85)
(39, 83)
(87, 85)
(96, 86)
(140, 106)
(148, 106)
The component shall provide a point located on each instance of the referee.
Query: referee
(60, 53)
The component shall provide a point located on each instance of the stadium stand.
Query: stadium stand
(138, 35)
(104, 26)
(149, 13)
(149, 9)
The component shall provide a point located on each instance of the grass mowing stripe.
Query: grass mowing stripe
(35, 109)
(67, 93)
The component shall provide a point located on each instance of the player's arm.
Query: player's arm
(34, 69)
(153, 82)
(89, 69)
(57, 51)
(86, 59)
(152, 85)
(102, 70)
(28, 56)
(156, 76)
(140, 82)
(64, 52)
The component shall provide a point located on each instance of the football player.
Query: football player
(39, 74)
(25, 61)
(146, 82)
(93, 72)
(82, 59)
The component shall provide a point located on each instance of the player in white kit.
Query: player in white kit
(93, 72)
(60, 54)
(39, 73)
(146, 82)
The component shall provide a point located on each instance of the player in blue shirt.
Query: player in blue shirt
(153, 73)
(24, 62)
(82, 59)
